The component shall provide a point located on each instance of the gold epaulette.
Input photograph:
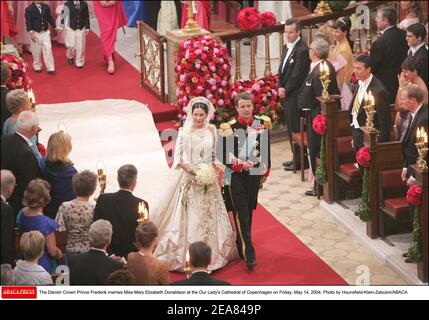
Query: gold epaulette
(225, 129)
(267, 122)
(232, 122)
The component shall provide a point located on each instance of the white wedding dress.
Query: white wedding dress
(189, 212)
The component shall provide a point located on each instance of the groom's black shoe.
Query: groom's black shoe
(251, 265)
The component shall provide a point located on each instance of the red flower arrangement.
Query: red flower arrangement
(265, 96)
(249, 19)
(268, 19)
(363, 157)
(319, 124)
(414, 195)
(18, 78)
(203, 68)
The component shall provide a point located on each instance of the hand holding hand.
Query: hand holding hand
(248, 165)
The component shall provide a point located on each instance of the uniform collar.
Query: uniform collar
(244, 122)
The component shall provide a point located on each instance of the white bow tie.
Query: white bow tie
(290, 46)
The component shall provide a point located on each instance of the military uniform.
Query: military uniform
(242, 141)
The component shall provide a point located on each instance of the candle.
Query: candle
(326, 68)
(187, 258)
(31, 96)
(62, 128)
(100, 167)
(371, 98)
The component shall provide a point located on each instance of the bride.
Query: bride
(191, 211)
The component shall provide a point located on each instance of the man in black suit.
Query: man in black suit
(200, 255)
(292, 72)
(37, 19)
(389, 51)
(7, 218)
(413, 100)
(17, 156)
(368, 82)
(310, 91)
(416, 35)
(5, 113)
(121, 209)
(76, 21)
(93, 267)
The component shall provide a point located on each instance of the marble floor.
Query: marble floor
(283, 196)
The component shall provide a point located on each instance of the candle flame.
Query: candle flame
(187, 256)
(62, 128)
(100, 166)
(31, 96)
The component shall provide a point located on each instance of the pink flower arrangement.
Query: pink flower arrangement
(18, 78)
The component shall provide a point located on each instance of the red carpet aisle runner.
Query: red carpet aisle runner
(282, 258)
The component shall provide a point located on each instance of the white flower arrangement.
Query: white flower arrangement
(204, 175)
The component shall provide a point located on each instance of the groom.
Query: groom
(245, 150)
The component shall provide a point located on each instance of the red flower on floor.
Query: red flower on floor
(319, 124)
(268, 19)
(414, 195)
(363, 157)
(249, 19)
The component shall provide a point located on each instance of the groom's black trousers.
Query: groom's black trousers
(244, 190)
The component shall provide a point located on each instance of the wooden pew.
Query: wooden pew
(384, 156)
(422, 180)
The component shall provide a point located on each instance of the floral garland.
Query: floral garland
(320, 126)
(414, 197)
(18, 72)
(363, 157)
(265, 96)
(203, 67)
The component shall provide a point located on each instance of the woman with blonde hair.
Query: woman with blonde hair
(31, 217)
(414, 13)
(58, 170)
(18, 101)
(28, 272)
(340, 58)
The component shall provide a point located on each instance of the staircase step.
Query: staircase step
(165, 115)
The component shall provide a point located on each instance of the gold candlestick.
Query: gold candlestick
(322, 8)
(188, 269)
(422, 148)
(370, 111)
(143, 213)
(191, 25)
(102, 179)
(324, 78)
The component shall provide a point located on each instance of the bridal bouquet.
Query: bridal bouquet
(204, 175)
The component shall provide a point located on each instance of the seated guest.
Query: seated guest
(17, 156)
(388, 51)
(5, 73)
(36, 197)
(93, 267)
(28, 272)
(58, 170)
(18, 101)
(7, 218)
(368, 82)
(6, 275)
(121, 278)
(419, 118)
(311, 90)
(146, 268)
(200, 255)
(416, 34)
(121, 209)
(75, 216)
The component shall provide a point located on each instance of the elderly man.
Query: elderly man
(310, 91)
(94, 266)
(7, 218)
(120, 208)
(388, 51)
(18, 157)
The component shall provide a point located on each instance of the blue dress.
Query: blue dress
(46, 226)
(135, 10)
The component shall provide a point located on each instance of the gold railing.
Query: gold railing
(151, 55)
